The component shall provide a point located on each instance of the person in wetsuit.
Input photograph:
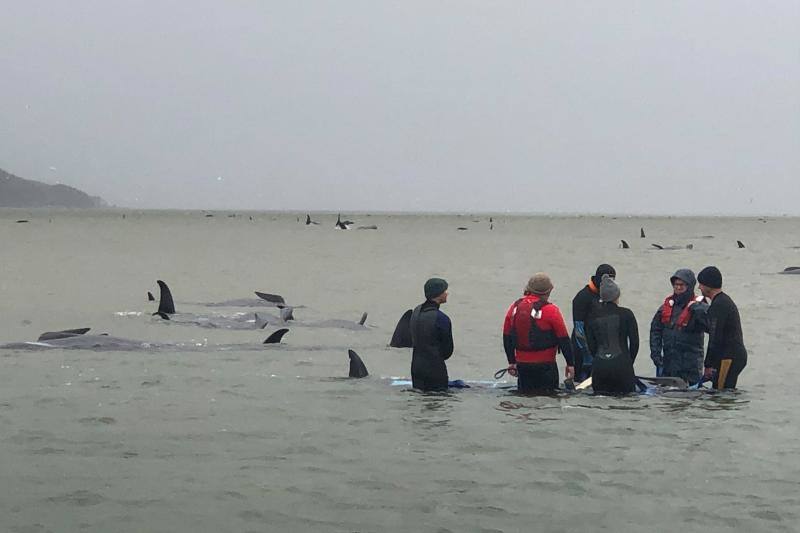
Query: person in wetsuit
(676, 331)
(533, 330)
(612, 335)
(431, 339)
(582, 305)
(726, 356)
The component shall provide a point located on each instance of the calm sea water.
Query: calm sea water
(223, 434)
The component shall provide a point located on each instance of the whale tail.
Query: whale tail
(276, 337)
(357, 367)
(260, 324)
(165, 304)
(401, 338)
(287, 314)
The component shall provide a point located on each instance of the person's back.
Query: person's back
(431, 339)
(533, 331)
(612, 335)
(582, 305)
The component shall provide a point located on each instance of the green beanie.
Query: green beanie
(434, 287)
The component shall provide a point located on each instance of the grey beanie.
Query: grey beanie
(539, 284)
(434, 287)
(609, 290)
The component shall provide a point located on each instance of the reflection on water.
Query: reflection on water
(430, 410)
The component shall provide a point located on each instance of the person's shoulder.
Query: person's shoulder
(551, 308)
(442, 318)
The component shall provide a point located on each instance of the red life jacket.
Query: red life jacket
(683, 318)
(527, 335)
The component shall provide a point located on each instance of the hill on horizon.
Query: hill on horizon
(21, 192)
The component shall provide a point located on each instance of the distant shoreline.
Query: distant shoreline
(231, 213)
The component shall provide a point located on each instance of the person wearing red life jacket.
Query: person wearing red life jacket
(533, 332)
(676, 331)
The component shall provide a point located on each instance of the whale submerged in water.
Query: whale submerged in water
(76, 339)
(166, 310)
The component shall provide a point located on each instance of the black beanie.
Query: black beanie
(434, 287)
(603, 269)
(711, 277)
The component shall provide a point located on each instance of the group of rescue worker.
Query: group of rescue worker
(605, 336)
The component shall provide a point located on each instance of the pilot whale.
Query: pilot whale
(107, 343)
(166, 310)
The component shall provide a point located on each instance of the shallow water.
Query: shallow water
(221, 433)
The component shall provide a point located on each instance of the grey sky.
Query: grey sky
(623, 107)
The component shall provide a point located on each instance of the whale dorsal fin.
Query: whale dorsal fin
(657, 246)
(363, 319)
(272, 298)
(357, 367)
(150, 297)
(624, 244)
(165, 304)
(740, 244)
(63, 334)
(260, 324)
(402, 332)
(641, 233)
(276, 337)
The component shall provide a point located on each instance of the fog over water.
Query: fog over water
(614, 107)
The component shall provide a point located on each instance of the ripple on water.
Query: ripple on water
(78, 498)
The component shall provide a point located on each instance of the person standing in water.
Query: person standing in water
(726, 356)
(533, 330)
(676, 331)
(612, 335)
(431, 339)
(582, 305)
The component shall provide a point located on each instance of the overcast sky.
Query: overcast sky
(683, 107)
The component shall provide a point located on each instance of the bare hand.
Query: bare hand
(569, 372)
(512, 369)
(708, 373)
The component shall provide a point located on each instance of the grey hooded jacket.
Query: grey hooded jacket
(679, 351)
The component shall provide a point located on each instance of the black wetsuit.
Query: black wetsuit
(432, 340)
(582, 306)
(726, 352)
(613, 338)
